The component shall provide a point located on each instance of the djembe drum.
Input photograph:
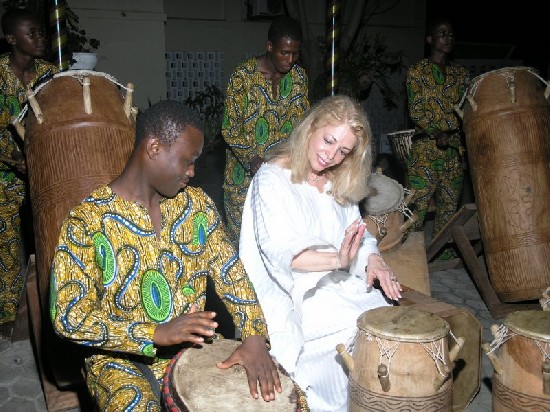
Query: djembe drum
(193, 383)
(400, 361)
(507, 124)
(401, 142)
(385, 210)
(78, 136)
(520, 354)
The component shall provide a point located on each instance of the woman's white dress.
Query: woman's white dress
(307, 313)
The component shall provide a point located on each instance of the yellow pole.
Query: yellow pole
(333, 39)
(58, 25)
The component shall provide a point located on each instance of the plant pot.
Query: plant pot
(84, 61)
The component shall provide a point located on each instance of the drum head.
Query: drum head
(534, 324)
(199, 385)
(386, 195)
(403, 324)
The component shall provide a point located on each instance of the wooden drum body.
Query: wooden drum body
(401, 142)
(400, 362)
(520, 355)
(467, 365)
(71, 152)
(193, 383)
(507, 125)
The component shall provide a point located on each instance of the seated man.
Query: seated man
(130, 270)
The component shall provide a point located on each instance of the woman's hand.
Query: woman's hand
(378, 269)
(350, 245)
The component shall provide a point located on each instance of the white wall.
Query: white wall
(135, 34)
(220, 25)
(132, 39)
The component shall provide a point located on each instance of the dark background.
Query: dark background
(499, 29)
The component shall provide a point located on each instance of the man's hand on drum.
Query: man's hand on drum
(378, 269)
(350, 245)
(254, 356)
(191, 327)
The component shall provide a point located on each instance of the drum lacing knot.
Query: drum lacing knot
(501, 334)
(436, 350)
(543, 347)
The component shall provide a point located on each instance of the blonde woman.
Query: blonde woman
(311, 261)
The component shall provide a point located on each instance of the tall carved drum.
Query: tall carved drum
(507, 125)
(400, 362)
(520, 354)
(78, 136)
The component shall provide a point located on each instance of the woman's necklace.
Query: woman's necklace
(316, 178)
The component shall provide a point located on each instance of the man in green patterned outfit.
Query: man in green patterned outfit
(129, 274)
(265, 97)
(435, 85)
(20, 69)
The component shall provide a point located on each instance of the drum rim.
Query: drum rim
(517, 321)
(406, 132)
(374, 182)
(503, 69)
(441, 326)
(169, 390)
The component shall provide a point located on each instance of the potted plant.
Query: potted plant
(81, 48)
(209, 104)
(367, 63)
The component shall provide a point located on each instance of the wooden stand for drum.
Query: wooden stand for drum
(463, 231)
(78, 136)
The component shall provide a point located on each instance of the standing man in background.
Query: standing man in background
(265, 97)
(435, 85)
(20, 69)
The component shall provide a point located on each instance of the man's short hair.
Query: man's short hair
(166, 120)
(284, 27)
(13, 17)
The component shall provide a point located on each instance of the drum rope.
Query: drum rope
(543, 350)
(78, 75)
(501, 334)
(387, 351)
(436, 351)
(506, 74)
(380, 220)
(403, 207)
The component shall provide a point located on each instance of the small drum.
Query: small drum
(194, 383)
(520, 354)
(400, 142)
(400, 362)
(385, 209)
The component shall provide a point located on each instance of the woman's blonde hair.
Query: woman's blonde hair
(349, 178)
